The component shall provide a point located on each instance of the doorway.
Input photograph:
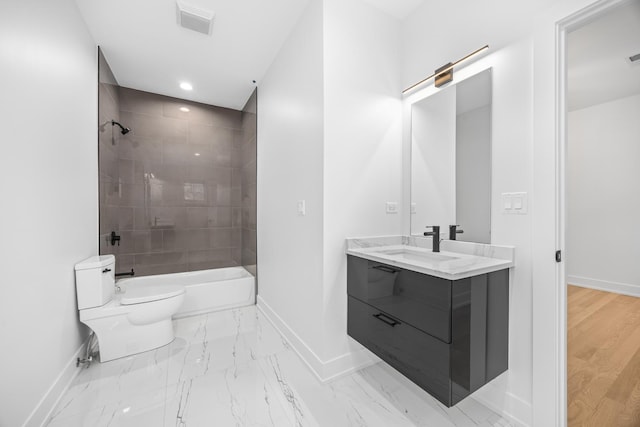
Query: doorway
(601, 198)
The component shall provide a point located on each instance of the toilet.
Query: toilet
(132, 320)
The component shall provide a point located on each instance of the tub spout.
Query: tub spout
(129, 273)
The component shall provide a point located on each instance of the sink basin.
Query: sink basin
(413, 255)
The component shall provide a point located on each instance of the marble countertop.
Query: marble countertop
(456, 260)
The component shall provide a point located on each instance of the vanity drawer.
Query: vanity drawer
(418, 356)
(421, 301)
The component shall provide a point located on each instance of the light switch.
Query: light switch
(514, 203)
(520, 203)
(392, 207)
(506, 202)
(413, 208)
(302, 208)
(517, 203)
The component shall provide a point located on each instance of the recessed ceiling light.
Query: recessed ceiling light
(196, 154)
(186, 86)
(184, 109)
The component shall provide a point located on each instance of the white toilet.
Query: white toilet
(133, 320)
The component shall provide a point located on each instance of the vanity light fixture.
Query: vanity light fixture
(444, 74)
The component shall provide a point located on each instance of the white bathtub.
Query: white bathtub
(205, 290)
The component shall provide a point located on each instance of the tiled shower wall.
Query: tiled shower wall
(175, 194)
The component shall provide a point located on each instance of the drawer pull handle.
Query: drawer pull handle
(106, 270)
(385, 269)
(386, 319)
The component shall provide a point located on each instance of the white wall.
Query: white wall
(290, 168)
(329, 132)
(363, 140)
(603, 195)
(49, 187)
(436, 34)
(512, 172)
(512, 97)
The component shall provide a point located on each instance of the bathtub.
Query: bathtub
(205, 290)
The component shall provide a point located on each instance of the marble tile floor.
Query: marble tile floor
(232, 368)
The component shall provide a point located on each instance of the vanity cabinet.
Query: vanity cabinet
(450, 337)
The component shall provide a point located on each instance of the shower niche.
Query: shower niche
(177, 181)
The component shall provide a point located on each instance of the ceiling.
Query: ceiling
(598, 52)
(399, 9)
(147, 50)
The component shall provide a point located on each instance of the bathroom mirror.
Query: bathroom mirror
(451, 160)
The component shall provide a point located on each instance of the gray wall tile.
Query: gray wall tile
(136, 101)
(220, 238)
(173, 209)
(223, 254)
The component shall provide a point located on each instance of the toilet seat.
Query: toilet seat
(133, 298)
(142, 294)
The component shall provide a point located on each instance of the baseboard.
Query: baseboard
(506, 404)
(602, 285)
(324, 370)
(47, 404)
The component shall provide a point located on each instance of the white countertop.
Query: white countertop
(456, 260)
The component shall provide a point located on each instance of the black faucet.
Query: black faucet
(435, 236)
(453, 230)
(114, 238)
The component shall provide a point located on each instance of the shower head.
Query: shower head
(123, 129)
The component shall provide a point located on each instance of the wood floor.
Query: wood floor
(603, 358)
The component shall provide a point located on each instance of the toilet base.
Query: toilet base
(125, 339)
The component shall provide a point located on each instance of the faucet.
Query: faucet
(435, 237)
(114, 238)
(453, 230)
(128, 273)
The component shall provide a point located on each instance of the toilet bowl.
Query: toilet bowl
(130, 321)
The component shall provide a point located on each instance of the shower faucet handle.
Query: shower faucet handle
(114, 238)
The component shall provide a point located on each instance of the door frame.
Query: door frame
(549, 392)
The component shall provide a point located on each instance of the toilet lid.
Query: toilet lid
(140, 294)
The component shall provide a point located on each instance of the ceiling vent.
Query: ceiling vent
(194, 18)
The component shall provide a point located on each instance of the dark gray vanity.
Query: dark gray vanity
(450, 337)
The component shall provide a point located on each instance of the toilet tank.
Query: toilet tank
(95, 281)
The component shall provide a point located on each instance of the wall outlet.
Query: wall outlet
(392, 207)
(302, 207)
